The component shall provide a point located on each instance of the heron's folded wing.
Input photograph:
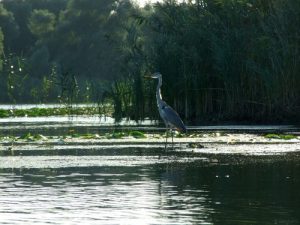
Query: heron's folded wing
(172, 117)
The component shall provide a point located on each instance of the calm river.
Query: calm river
(136, 186)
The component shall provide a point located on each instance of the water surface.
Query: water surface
(130, 186)
(85, 183)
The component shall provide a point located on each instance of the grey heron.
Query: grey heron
(167, 113)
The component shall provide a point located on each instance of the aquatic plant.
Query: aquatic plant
(59, 111)
(4, 113)
(137, 134)
(116, 135)
(281, 136)
(32, 137)
(89, 136)
(122, 134)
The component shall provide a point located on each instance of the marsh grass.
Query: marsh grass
(222, 61)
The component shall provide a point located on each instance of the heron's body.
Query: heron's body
(166, 112)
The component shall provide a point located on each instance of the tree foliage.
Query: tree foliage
(8, 26)
(1, 48)
(41, 22)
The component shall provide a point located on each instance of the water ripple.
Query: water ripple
(70, 201)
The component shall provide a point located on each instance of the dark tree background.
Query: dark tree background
(221, 60)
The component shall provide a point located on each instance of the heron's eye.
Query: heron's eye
(163, 107)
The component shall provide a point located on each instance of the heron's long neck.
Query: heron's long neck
(158, 92)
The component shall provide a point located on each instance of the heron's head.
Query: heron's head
(155, 75)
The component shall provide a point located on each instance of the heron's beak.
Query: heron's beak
(148, 76)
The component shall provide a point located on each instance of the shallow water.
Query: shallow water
(147, 186)
(85, 183)
(87, 123)
(62, 125)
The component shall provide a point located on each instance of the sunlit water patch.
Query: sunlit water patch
(90, 183)
(184, 193)
(82, 120)
(50, 125)
(99, 197)
(88, 161)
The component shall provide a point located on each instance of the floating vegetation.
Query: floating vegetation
(179, 135)
(4, 113)
(7, 138)
(35, 137)
(115, 135)
(137, 134)
(195, 145)
(71, 134)
(195, 139)
(59, 111)
(281, 136)
(89, 136)
(118, 135)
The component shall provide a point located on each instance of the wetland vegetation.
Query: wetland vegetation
(36, 112)
(227, 60)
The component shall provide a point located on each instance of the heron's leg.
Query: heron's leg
(166, 138)
(172, 138)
